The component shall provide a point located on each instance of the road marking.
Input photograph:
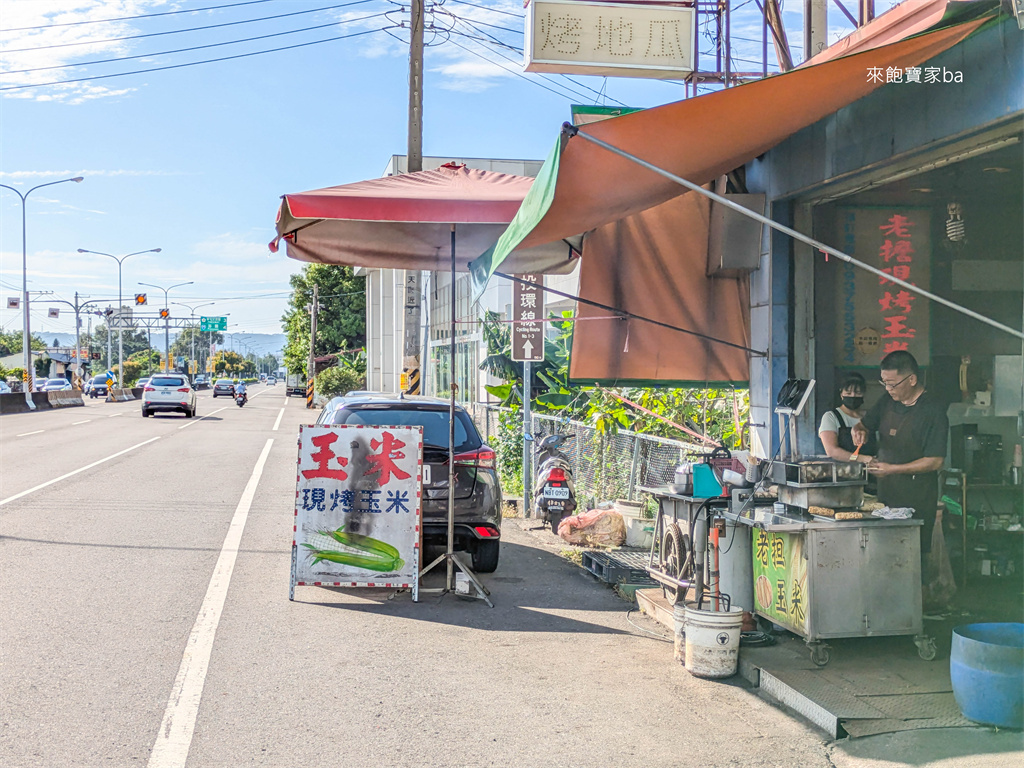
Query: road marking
(76, 423)
(26, 434)
(114, 415)
(203, 417)
(278, 422)
(70, 474)
(175, 735)
(286, 400)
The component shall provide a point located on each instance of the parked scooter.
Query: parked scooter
(554, 489)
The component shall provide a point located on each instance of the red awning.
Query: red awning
(405, 221)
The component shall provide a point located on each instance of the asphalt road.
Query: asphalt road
(112, 550)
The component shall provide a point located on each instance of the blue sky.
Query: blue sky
(193, 159)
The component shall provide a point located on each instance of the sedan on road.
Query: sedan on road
(224, 387)
(56, 385)
(169, 392)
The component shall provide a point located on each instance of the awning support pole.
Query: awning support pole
(572, 130)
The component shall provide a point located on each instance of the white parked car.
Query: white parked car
(4, 388)
(169, 392)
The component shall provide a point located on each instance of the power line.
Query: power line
(472, 24)
(129, 18)
(517, 74)
(179, 31)
(196, 47)
(492, 10)
(191, 63)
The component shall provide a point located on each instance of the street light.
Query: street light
(25, 332)
(120, 304)
(167, 334)
(192, 333)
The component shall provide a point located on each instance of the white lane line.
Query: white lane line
(278, 422)
(175, 735)
(76, 423)
(82, 469)
(114, 415)
(26, 434)
(286, 400)
(196, 421)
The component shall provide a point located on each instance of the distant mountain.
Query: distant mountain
(260, 343)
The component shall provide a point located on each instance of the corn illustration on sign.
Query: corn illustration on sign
(358, 507)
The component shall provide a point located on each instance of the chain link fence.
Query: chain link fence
(605, 467)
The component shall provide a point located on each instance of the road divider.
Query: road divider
(65, 398)
(48, 483)
(174, 738)
(120, 395)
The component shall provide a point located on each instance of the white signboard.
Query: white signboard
(13, 302)
(53, 312)
(609, 39)
(358, 507)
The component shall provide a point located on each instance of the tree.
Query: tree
(341, 323)
(182, 344)
(10, 342)
(226, 361)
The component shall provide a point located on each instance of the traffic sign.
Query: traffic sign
(13, 302)
(208, 324)
(527, 306)
(53, 312)
(165, 313)
(140, 298)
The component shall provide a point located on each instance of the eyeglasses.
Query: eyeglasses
(893, 386)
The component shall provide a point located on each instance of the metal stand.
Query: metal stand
(449, 557)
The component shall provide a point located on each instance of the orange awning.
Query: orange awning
(586, 189)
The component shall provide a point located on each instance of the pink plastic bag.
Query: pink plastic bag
(594, 528)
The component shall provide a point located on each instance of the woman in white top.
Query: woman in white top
(836, 426)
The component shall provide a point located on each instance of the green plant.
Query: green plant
(339, 380)
(508, 448)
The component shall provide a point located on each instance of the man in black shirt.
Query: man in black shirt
(912, 434)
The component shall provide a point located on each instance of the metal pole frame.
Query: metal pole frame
(572, 130)
(451, 559)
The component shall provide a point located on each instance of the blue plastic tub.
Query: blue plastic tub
(986, 666)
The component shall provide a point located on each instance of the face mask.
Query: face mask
(853, 403)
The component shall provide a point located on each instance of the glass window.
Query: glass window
(167, 381)
(434, 421)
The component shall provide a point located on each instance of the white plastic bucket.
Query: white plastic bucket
(639, 531)
(712, 642)
(679, 622)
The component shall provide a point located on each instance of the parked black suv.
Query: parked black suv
(477, 490)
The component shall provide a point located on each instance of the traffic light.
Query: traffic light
(165, 313)
(140, 299)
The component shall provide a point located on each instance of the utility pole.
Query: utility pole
(414, 163)
(815, 27)
(527, 440)
(311, 370)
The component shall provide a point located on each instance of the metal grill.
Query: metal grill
(605, 467)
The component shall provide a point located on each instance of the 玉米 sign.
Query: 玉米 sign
(609, 39)
(357, 507)
(780, 578)
(875, 316)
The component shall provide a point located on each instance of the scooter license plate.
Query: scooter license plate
(556, 493)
